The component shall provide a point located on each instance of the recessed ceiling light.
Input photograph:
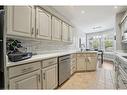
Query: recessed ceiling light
(82, 11)
(115, 7)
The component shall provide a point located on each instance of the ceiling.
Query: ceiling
(90, 18)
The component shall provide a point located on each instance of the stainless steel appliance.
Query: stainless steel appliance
(1, 48)
(64, 69)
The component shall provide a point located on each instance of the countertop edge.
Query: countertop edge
(41, 57)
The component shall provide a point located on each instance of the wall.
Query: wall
(121, 47)
(118, 31)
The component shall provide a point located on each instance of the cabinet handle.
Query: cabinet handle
(44, 76)
(37, 32)
(27, 70)
(32, 32)
(39, 78)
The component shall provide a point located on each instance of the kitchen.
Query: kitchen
(48, 47)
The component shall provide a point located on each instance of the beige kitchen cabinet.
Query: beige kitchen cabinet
(70, 34)
(91, 61)
(26, 76)
(43, 24)
(65, 32)
(73, 68)
(56, 29)
(49, 73)
(73, 63)
(21, 21)
(86, 61)
(81, 65)
(50, 77)
(27, 81)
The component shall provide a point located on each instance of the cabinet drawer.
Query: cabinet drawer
(48, 62)
(23, 69)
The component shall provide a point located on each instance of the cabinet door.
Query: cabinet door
(20, 21)
(27, 81)
(81, 63)
(49, 77)
(73, 67)
(65, 32)
(56, 29)
(91, 63)
(43, 24)
(70, 34)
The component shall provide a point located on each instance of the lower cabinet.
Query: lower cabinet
(73, 67)
(49, 77)
(91, 62)
(86, 61)
(36, 75)
(73, 63)
(27, 81)
(44, 74)
(81, 65)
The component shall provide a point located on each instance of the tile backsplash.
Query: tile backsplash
(47, 47)
(44, 46)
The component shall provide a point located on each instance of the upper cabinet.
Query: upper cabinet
(43, 24)
(20, 21)
(56, 29)
(65, 32)
(35, 22)
(70, 34)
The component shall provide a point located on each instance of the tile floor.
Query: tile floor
(102, 78)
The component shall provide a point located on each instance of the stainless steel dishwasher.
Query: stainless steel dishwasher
(64, 69)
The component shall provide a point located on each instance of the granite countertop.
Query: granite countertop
(40, 57)
(87, 52)
(120, 55)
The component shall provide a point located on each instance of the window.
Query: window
(101, 41)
